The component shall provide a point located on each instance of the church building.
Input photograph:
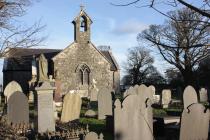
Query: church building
(80, 66)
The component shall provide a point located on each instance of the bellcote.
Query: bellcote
(82, 25)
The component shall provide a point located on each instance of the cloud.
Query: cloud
(129, 27)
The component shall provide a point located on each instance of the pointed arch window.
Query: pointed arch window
(83, 74)
(83, 24)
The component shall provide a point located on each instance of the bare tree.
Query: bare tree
(14, 33)
(203, 8)
(180, 42)
(138, 65)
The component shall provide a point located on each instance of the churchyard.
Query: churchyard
(79, 92)
(137, 113)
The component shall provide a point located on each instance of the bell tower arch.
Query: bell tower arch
(82, 25)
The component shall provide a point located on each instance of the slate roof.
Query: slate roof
(110, 57)
(19, 59)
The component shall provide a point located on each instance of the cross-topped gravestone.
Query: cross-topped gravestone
(18, 108)
(104, 103)
(189, 96)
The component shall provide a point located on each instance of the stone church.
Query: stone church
(81, 66)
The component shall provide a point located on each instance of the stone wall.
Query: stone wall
(66, 63)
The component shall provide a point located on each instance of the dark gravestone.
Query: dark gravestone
(18, 109)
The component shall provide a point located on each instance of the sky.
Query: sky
(113, 26)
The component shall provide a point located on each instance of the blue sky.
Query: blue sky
(113, 26)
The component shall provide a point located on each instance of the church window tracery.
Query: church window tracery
(83, 74)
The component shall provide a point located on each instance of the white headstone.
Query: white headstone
(153, 89)
(203, 95)
(156, 99)
(93, 136)
(166, 98)
(194, 123)
(133, 120)
(11, 88)
(189, 96)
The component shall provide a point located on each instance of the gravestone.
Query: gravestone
(71, 107)
(203, 95)
(11, 88)
(90, 113)
(18, 108)
(133, 119)
(104, 103)
(153, 89)
(132, 90)
(94, 94)
(194, 123)
(55, 111)
(156, 99)
(189, 96)
(57, 95)
(166, 98)
(44, 107)
(94, 136)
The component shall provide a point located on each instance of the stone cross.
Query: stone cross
(44, 107)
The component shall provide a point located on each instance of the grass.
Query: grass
(159, 113)
(98, 126)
